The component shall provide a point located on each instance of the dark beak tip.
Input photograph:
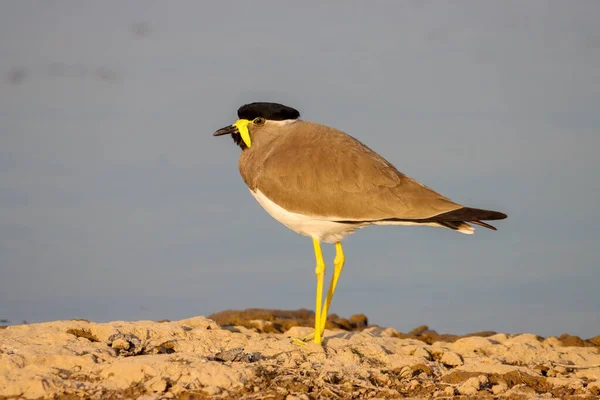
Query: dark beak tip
(228, 130)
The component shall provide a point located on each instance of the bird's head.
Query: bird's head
(256, 116)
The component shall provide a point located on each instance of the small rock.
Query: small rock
(373, 330)
(125, 344)
(422, 352)
(298, 331)
(450, 391)
(570, 340)
(378, 331)
(262, 325)
(452, 359)
(553, 341)
(594, 388)
(405, 372)
(519, 391)
(542, 369)
(470, 387)
(595, 340)
(389, 332)
(500, 388)
(148, 397)
(467, 390)
(237, 355)
(576, 385)
(229, 355)
(163, 348)
(199, 323)
(560, 370)
(120, 344)
(299, 397)
(212, 390)
(413, 384)
(499, 337)
(419, 330)
(528, 338)
(483, 381)
(559, 381)
(359, 321)
(419, 369)
(157, 385)
(252, 332)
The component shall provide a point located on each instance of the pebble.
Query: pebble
(299, 397)
(157, 385)
(261, 325)
(148, 397)
(576, 385)
(483, 381)
(499, 388)
(560, 370)
(594, 388)
(422, 352)
(389, 332)
(450, 391)
(452, 359)
(553, 341)
(212, 390)
(470, 387)
(405, 372)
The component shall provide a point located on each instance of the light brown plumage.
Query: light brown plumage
(319, 171)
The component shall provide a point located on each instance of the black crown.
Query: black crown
(269, 111)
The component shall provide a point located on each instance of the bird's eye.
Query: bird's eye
(258, 121)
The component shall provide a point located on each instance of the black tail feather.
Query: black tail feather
(484, 225)
(467, 214)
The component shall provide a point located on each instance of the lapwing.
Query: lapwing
(323, 183)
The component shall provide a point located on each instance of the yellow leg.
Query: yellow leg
(338, 266)
(320, 272)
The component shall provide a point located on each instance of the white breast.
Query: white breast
(317, 228)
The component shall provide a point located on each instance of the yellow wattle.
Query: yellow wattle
(242, 126)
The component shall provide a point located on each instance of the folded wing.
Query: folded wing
(325, 173)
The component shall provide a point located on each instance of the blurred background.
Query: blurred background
(117, 203)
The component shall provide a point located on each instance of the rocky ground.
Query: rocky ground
(249, 354)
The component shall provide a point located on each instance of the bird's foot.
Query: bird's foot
(303, 341)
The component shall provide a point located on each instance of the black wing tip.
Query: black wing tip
(471, 214)
(500, 215)
(451, 219)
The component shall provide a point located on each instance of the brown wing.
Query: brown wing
(316, 170)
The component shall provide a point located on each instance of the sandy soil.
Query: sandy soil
(197, 358)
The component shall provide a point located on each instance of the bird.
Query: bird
(323, 183)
